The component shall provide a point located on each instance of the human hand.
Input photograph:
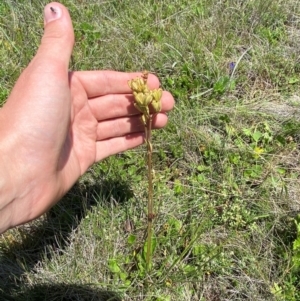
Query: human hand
(56, 124)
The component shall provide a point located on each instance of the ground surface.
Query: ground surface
(227, 165)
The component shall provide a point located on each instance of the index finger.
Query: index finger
(98, 83)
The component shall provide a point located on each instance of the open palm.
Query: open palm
(57, 123)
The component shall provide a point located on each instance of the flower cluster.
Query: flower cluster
(144, 97)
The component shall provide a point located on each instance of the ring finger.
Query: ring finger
(128, 125)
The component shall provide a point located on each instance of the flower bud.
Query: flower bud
(137, 85)
(157, 94)
(156, 106)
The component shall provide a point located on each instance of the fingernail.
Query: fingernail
(52, 13)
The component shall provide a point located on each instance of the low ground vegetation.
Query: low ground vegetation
(226, 166)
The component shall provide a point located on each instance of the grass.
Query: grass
(227, 172)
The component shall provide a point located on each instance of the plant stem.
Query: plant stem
(150, 193)
(145, 101)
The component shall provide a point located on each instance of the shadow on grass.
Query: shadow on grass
(63, 292)
(51, 235)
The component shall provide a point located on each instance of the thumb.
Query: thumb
(58, 39)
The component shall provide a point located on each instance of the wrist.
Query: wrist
(7, 191)
(8, 184)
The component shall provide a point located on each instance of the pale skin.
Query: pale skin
(56, 124)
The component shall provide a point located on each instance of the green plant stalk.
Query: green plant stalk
(150, 193)
(145, 100)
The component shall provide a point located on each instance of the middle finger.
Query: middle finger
(121, 105)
